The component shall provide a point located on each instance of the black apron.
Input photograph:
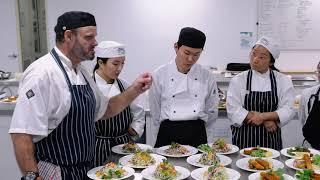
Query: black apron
(192, 132)
(311, 127)
(111, 132)
(252, 136)
(71, 144)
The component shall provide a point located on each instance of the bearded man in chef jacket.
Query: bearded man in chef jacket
(184, 98)
(52, 127)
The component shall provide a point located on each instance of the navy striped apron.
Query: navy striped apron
(111, 132)
(71, 144)
(252, 136)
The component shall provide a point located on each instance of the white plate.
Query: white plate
(197, 174)
(244, 164)
(233, 149)
(192, 151)
(289, 163)
(274, 152)
(194, 160)
(92, 173)
(284, 152)
(125, 160)
(118, 148)
(183, 173)
(256, 176)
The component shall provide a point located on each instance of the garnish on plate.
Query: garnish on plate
(257, 152)
(272, 174)
(111, 171)
(165, 171)
(176, 149)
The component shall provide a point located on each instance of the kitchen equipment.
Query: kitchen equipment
(4, 75)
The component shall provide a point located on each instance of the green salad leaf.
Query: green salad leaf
(316, 160)
(304, 174)
(205, 147)
(258, 153)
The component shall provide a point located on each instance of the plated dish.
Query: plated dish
(165, 171)
(130, 148)
(260, 152)
(140, 159)
(110, 171)
(199, 160)
(306, 162)
(258, 164)
(176, 150)
(10, 99)
(220, 146)
(272, 174)
(212, 172)
(298, 151)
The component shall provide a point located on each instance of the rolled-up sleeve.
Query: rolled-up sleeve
(236, 112)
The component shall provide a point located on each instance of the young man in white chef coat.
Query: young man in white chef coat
(52, 127)
(184, 98)
(309, 113)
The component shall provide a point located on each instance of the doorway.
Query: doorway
(33, 32)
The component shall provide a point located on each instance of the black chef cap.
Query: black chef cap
(192, 37)
(73, 20)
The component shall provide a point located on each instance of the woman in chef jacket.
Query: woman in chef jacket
(127, 125)
(309, 113)
(260, 100)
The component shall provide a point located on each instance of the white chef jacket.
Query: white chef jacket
(177, 96)
(40, 114)
(305, 95)
(260, 82)
(137, 111)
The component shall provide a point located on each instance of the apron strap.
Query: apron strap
(57, 59)
(249, 78)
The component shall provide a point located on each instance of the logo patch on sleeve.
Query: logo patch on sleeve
(30, 94)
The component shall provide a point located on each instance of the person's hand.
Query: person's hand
(142, 83)
(271, 126)
(255, 119)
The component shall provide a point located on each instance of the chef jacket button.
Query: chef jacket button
(174, 111)
(173, 96)
(195, 95)
(196, 79)
(172, 79)
(194, 110)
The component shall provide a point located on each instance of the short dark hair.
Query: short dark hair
(104, 60)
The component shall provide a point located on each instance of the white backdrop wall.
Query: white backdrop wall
(149, 28)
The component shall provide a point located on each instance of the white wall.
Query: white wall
(8, 37)
(149, 29)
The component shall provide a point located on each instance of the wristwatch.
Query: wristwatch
(30, 175)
